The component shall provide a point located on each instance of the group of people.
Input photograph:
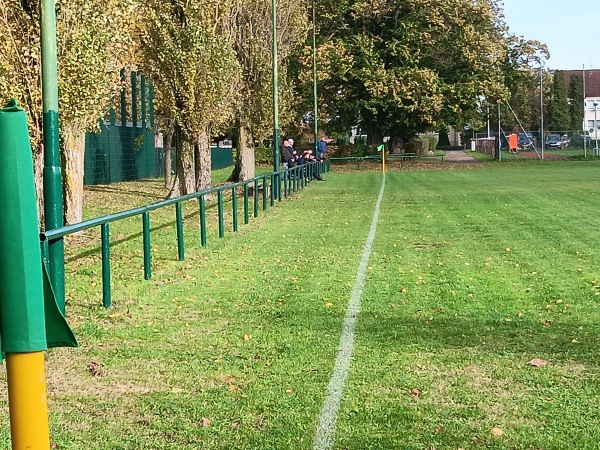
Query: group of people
(291, 158)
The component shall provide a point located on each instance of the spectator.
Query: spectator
(287, 155)
(322, 147)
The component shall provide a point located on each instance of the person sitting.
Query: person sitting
(287, 155)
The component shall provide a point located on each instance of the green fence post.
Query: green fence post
(202, 221)
(255, 201)
(272, 190)
(220, 210)
(146, 232)
(246, 205)
(105, 237)
(234, 207)
(264, 193)
(180, 241)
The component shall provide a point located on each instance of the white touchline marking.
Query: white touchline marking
(325, 433)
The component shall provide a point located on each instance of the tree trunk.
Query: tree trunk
(73, 147)
(38, 171)
(202, 150)
(167, 144)
(244, 168)
(184, 179)
(374, 135)
(396, 144)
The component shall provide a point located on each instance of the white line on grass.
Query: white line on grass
(325, 434)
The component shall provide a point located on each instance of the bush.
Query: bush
(263, 154)
(432, 143)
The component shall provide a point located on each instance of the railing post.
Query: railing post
(220, 210)
(105, 237)
(180, 240)
(255, 201)
(202, 221)
(246, 205)
(264, 194)
(234, 208)
(146, 233)
(272, 190)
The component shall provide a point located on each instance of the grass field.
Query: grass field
(474, 273)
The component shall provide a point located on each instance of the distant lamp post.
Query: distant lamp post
(596, 128)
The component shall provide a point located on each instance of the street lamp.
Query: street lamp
(314, 61)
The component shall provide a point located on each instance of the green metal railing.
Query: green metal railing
(273, 185)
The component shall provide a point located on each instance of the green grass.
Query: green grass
(473, 274)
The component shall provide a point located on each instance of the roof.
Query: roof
(592, 81)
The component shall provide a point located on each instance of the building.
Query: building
(591, 120)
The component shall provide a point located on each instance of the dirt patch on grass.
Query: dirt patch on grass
(549, 156)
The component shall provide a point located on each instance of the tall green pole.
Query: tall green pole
(314, 56)
(53, 196)
(275, 94)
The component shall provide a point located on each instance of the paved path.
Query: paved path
(459, 157)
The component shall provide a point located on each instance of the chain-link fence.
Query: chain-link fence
(567, 142)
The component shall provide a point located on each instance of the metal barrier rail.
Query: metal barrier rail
(272, 184)
(358, 159)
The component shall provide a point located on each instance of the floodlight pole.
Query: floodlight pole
(499, 134)
(584, 108)
(542, 108)
(314, 61)
(275, 101)
(596, 151)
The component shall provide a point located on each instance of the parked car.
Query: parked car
(526, 140)
(557, 141)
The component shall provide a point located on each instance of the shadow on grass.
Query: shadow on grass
(560, 342)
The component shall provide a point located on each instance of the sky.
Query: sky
(570, 29)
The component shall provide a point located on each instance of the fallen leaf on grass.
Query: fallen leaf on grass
(328, 305)
(497, 431)
(538, 362)
(289, 391)
(247, 337)
(232, 388)
(205, 422)
(94, 369)
(416, 392)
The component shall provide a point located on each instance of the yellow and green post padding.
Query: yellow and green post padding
(30, 321)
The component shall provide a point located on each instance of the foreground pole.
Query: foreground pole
(27, 399)
(30, 320)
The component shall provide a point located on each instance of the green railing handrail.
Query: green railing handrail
(293, 179)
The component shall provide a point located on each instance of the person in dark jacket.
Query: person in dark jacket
(287, 155)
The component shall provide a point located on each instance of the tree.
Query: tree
(575, 99)
(558, 106)
(93, 43)
(191, 60)
(252, 33)
(399, 68)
